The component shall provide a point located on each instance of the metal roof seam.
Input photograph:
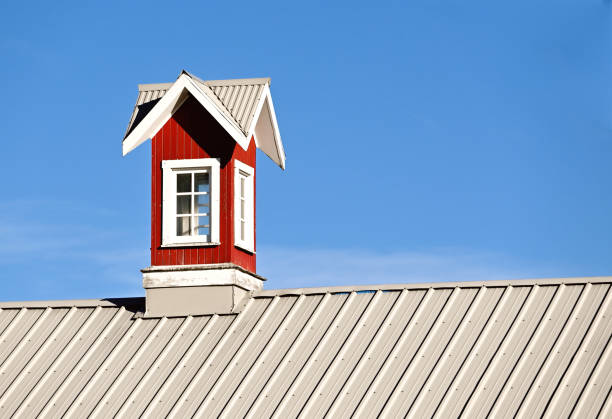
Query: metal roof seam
(386, 322)
(386, 365)
(370, 334)
(451, 344)
(180, 366)
(209, 397)
(442, 331)
(331, 371)
(508, 391)
(433, 326)
(41, 351)
(475, 390)
(184, 397)
(554, 346)
(33, 393)
(88, 353)
(103, 401)
(299, 377)
(557, 401)
(287, 357)
(475, 348)
(154, 367)
(275, 337)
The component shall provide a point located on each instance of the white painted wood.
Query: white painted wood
(169, 104)
(200, 277)
(170, 169)
(246, 172)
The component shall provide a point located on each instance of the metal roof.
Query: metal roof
(237, 98)
(526, 348)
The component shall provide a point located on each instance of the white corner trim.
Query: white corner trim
(170, 103)
(169, 170)
(243, 170)
(198, 278)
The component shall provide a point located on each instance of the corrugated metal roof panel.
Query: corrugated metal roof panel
(493, 349)
(237, 98)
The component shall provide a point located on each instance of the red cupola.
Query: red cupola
(203, 167)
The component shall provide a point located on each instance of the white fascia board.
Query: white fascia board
(267, 96)
(169, 104)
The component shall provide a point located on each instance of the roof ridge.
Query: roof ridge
(146, 87)
(117, 302)
(235, 82)
(426, 285)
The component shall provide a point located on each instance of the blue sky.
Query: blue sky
(425, 140)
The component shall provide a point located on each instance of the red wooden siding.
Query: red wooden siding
(193, 134)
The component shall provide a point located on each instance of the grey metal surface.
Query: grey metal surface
(237, 98)
(525, 349)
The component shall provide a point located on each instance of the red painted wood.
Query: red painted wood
(192, 133)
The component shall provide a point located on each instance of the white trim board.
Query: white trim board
(169, 104)
(263, 127)
(170, 168)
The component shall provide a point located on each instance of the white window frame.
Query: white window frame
(242, 170)
(170, 168)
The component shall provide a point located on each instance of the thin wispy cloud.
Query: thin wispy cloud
(67, 251)
(308, 267)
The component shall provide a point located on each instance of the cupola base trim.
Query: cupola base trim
(180, 290)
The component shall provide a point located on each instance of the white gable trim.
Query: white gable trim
(170, 103)
(280, 151)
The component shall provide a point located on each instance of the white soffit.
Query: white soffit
(242, 106)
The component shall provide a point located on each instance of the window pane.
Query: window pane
(242, 187)
(183, 204)
(202, 204)
(241, 230)
(203, 221)
(203, 228)
(202, 182)
(183, 226)
(242, 209)
(183, 182)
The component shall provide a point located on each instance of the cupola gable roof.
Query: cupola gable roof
(243, 107)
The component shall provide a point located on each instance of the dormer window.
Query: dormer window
(190, 204)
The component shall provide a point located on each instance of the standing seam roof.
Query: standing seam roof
(521, 349)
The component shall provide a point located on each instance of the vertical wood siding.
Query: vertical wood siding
(192, 133)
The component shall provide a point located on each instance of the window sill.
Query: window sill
(245, 248)
(191, 244)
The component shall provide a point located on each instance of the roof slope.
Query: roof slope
(500, 348)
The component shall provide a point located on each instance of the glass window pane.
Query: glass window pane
(183, 226)
(183, 204)
(202, 204)
(203, 227)
(183, 182)
(202, 182)
(242, 187)
(242, 213)
(242, 230)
